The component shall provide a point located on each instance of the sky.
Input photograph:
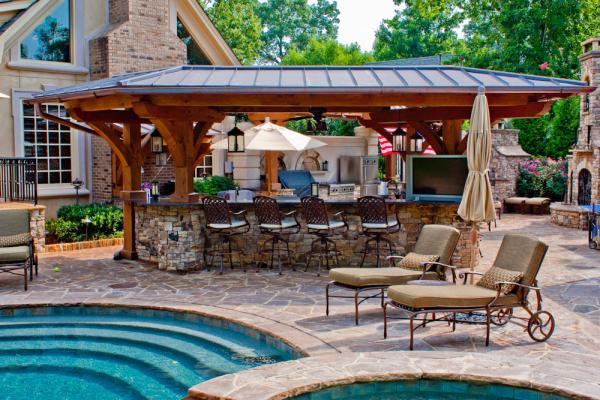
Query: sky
(359, 19)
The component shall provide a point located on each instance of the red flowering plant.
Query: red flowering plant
(542, 177)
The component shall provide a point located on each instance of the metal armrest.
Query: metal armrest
(441, 268)
(499, 284)
(465, 274)
(392, 258)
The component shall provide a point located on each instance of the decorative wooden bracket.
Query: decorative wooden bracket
(430, 136)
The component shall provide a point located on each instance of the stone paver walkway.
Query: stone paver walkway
(570, 277)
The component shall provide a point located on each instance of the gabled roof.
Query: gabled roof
(322, 79)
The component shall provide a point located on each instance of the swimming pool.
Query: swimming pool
(85, 353)
(427, 389)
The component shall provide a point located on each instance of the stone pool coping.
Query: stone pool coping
(300, 342)
(291, 378)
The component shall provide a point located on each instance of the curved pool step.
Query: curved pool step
(26, 383)
(199, 358)
(152, 388)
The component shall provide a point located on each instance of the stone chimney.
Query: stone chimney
(138, 38)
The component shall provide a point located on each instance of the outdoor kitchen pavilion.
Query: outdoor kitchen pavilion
(183, 102)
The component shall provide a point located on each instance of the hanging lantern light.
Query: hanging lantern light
(416, 143)
(235, 140)
(398, 140)
(156, 142)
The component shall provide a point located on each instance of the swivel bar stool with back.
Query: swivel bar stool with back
(318, 223)
(277, 225)
(376, 224)
(224, 223)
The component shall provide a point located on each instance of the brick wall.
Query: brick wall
(138, 38)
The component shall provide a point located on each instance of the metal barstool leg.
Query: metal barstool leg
(230, 252)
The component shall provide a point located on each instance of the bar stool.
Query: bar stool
(277, 225)
(318, 223)
(375, 224)
(220, 220)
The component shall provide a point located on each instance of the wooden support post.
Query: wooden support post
(132, 183)
(451, 132)
(271, 169)
(390, 167)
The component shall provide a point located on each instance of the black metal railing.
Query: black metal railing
(18, 179)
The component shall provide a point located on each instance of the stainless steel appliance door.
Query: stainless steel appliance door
(349, 169)
(369, 169)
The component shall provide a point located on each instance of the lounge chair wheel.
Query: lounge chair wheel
(540, 326)
(502, 316)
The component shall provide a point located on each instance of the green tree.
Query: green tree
(238, 22)
(287, 23)
(419, 28)
(564, 124)
(327, 52)
(54, 41)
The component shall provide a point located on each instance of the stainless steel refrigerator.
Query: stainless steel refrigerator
(361, 170)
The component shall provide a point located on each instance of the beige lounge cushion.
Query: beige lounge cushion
(415, 261)
(14, 254)
(437, 239)
(521, 253)
(497, 274)
(360, 277)
(452, 296)
(15, 240)
(537, 201)
(515, 200)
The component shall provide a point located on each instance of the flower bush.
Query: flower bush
(105, 222)
(542, 177)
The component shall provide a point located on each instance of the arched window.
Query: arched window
(584, 188)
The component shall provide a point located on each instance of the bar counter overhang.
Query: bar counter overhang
(173, 234)
(184, 101)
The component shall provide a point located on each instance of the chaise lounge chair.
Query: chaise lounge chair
(505, 286)
(436, 241)
(16, 244)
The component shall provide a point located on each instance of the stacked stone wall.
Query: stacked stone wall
(174, 236)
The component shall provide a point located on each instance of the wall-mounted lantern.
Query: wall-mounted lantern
(314, 189)
(416, 143)
(398, 140)
(156, 142)
(235, 140)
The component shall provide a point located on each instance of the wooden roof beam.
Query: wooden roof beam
(177, 113)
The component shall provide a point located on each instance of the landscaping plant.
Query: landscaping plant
(105, 221)
(213, 185)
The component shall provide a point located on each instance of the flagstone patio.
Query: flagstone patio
(292, 306)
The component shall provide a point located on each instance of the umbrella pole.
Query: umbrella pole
(271, 169)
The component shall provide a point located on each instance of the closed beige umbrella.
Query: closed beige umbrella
(477, 203)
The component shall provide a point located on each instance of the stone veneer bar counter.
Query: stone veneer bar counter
(173, 234)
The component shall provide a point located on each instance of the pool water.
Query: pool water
(426, 390)
(85, 353)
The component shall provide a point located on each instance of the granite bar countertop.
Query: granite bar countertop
(165, 202)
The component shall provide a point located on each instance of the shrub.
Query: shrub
(542, 178)
(105, 222)
(213, 185)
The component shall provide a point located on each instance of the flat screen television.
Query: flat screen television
(436, 178)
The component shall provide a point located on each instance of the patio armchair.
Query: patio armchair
(437, 241)
(492, 300)
(17, 251)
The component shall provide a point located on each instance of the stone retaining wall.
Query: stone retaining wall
(174, 236)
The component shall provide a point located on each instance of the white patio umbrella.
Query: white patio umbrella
(477, 203)
(4, 96)
(272, 137)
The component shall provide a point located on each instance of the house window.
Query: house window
(49, 143)
(51, 39)
(195, 55)
(589, 134)
(205, 167)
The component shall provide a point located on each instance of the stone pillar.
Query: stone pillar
(372, 139)
(119, 50)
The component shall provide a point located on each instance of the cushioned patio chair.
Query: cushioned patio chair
(492, 299)
(17, 251)
(435, 243)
